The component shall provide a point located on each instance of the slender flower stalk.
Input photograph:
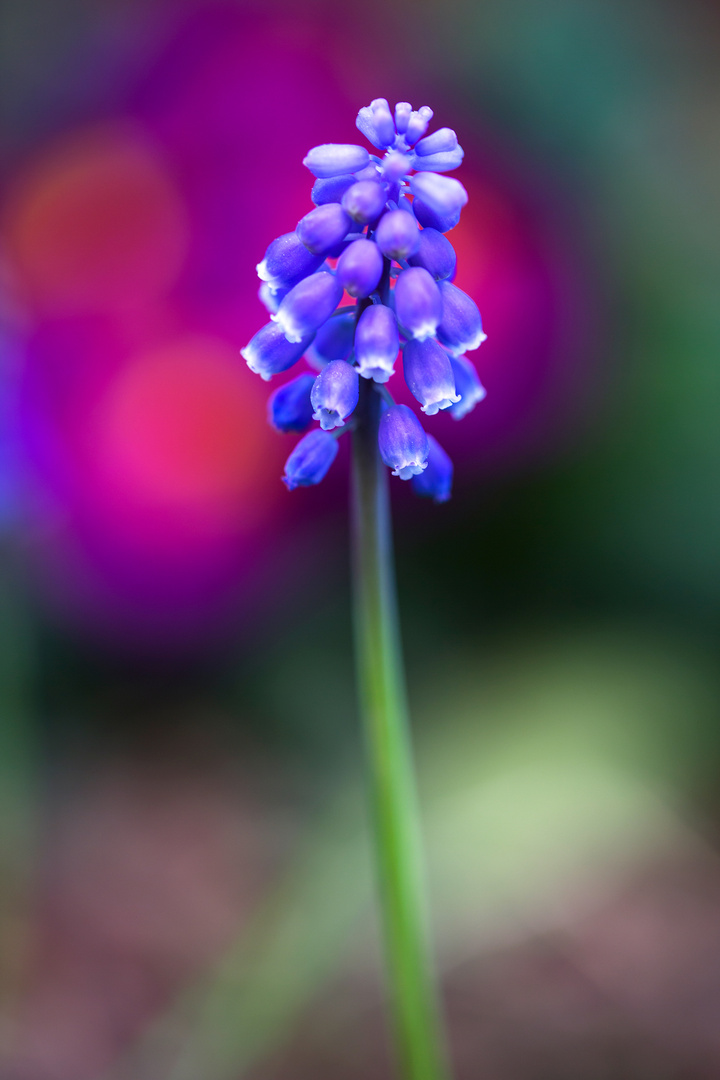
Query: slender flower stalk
(394, 802)
(374, 215)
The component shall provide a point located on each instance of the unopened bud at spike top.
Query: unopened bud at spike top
(376, 343)
(310, 460)
(429, 375)
(334, 394)
(402, 441)
(365, 201)
(332, 189)
(308, 305)
(418, 303)
(443, 194)
(429, 219)
(334, 159)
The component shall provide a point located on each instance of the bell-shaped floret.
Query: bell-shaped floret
(468, 386)
(376, 343)
(332, 189)
(436, 254)
(335, 394)
(308, 305)
(402, 442)
(443, 194)
(429, 219)
(376, 123)
(333, 341)
(365, 201)
(269, 352)
(418, 304)
(360, 267)
(324, 228)
(460, 328)
(310, 460)
(435, 482)
(418, 124)
(429, 375)
(397, 234)
(286, 262)
(289, 407)
(271, 298)
(334, 159)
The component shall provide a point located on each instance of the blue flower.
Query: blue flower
(308, 305)
(383, 216)
(310, 460)
(418, 304)
(376, 343)
(270, 352)
(435, 482)
(403, 442)
(335, 394)
(429, 375)
(468, 386)
(289, 407)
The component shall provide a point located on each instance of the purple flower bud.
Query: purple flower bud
(418, 304)
(429, 375)
(370, 172)
(403, 109)
(334, 159)
(323, 228)
(310, 460)
(430, 220)
(376, 123)
(332, 189)
(365, 201)
(402, 442)
(443, 194)
(360, 267)
(418, 124)
(271, 298)
(439, 142)
(468, 386)
(438, 163)
(333, 341)
(335, 394)
(436, 481)
(270, 352)
(289, 407)
(308, 305)
(394, 165)
(286, 262)
(397, 234)
(460, 329)
(436, 254)
(377, 343)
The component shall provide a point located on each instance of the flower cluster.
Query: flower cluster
(377, 236)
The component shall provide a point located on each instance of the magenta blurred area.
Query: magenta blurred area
(135, 209)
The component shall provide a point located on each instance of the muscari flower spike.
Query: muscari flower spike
(377, 234)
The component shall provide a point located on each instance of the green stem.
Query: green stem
(394, 799)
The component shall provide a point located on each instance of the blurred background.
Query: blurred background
(185, 886)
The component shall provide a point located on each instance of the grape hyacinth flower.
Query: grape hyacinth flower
(375, 233)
